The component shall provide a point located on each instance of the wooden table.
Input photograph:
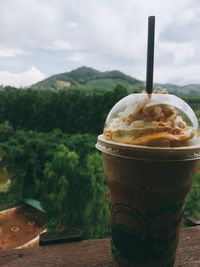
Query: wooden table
(94, 253)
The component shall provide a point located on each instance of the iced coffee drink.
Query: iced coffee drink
(150, 149)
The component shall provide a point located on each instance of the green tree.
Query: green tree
(192, 207)
(97, 210)
(58, 179)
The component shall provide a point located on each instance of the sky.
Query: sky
(39, 38)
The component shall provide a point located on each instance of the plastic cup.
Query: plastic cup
(148, 187)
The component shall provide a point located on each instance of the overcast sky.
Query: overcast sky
(39, 38)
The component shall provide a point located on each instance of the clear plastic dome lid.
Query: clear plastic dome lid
(164, 120)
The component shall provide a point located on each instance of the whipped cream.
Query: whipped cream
(150, 124)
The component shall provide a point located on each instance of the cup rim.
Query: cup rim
(145, 152)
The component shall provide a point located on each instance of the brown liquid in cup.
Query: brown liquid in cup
(147, 199)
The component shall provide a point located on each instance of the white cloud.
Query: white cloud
(181, 52)
(62, 45)
(185, 74)
(77, 57)
(72, 24)
(105, 34)
(25, 78)
(59, 45)
(11, 52)
(186, 15)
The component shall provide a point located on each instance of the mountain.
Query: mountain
(89, 79)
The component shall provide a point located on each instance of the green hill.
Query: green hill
(89, 79)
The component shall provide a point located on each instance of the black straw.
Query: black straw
(150, 55)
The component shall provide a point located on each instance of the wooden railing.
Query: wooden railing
(94, 253)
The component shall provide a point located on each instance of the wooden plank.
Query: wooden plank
(188, 254)
(93, 253)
